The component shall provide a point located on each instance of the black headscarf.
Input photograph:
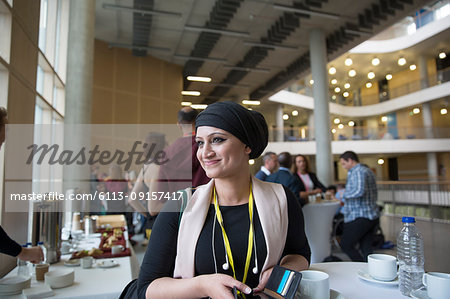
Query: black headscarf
(248, 126)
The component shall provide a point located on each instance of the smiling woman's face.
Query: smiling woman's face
(220, 153)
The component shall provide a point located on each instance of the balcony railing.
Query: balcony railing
(361, 133)
(440, 77)
(421, 199)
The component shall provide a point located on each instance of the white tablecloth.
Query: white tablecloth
(345, 280)
(93, 283)
(318, 221)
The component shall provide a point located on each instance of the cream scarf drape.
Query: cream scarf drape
(271, 203)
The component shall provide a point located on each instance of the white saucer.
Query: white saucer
(365, 276)
(420, 294)
(336, 295)
(72, 263)
(107, 264)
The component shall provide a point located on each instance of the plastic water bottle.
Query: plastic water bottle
(22, 267)
(44, 251)
(410, 256)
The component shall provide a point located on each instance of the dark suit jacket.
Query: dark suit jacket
(286, 179)
(314, 179)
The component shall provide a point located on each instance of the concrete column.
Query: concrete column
(311, 135)
(324, 158)
(80, 62)
(280, 123)
(79, 84)
(433, 171)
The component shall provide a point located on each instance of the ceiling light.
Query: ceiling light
(333, 97)
(347, 85)
(198, 79)
(186, 103)
(337, 89)
(251, 161)
(371, 75)
(351, 123)
(190, 93)
(311, 81)
(348, 61)
(332, 70)
(442, 55)
(444, 111)
(384, 119)
(294, 113)
(368, 85)
(336, 121)
(380, 161)
(333, 131)
(220, 31)
(334, 81)
(251, 102)
(285, 116)
(388, 77)
(375, 61)
(412, 67)
(345, 94)
(416, 110)
(199, 106)
(352, 73)
(340, 126)
(401, 61)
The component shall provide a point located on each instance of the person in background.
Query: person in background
(309, 183)
(147, 180)
(234, 229)
(284, 176)
(7, 245)
(361, 213)
(270, 161)
(183, 168)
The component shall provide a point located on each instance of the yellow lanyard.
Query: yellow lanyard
(225, 237)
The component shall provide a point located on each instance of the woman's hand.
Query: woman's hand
(220, 286)
(264, 279)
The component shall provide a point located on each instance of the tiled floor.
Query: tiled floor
(436, 239)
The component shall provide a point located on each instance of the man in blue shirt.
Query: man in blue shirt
(284, 176)
(361, 213)
(270, 162)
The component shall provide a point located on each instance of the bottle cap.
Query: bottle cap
(40, 243)
(408, 220)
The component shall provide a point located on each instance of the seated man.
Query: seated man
(270, 162)
(284, 176)
(361, 214)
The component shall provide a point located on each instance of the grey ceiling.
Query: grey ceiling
(166, 37)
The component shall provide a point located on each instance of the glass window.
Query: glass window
(5, 31)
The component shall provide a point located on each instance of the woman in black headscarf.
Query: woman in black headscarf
(234, 229)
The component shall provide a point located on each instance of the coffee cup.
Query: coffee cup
(41, 269)
(314, 285)
(116, 249)
(382, 266)
(438, 284)
(86, 262)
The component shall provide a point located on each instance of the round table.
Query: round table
(318, 222)
(345, 280)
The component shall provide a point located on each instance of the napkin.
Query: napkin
(36, 292)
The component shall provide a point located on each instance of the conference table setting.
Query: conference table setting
(95, 265)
